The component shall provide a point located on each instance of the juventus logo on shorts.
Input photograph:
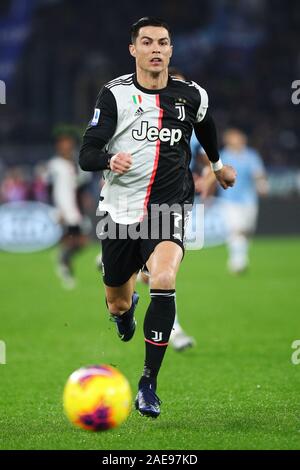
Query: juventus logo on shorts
(181, 111)
(157, 336)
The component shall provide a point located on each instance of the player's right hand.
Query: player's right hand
(121, 162)
(226, 176)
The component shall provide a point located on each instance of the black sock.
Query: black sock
(158, 324)
(66, 254)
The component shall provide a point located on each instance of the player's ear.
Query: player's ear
(132, 50)
(171, 53)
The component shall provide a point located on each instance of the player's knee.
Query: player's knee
(118, 305)
(164, 279)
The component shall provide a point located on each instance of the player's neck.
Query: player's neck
(152, 81)
(66, 156)
(235, 149)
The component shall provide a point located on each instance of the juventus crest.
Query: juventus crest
(157, 336)
(181, 111)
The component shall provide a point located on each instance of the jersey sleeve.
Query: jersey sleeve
(101, 128)
(257, 166)
(203, 106)
(103, 124)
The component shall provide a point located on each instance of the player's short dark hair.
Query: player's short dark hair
(62, 131)
(147, 21)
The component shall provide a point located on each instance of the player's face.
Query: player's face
(152, 49)
(65, 147)
(235, 139)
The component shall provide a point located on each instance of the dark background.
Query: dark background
(56, 54)
(245, 53)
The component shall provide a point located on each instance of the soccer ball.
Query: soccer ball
(97, 398)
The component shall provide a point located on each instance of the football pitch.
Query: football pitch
(238, 389)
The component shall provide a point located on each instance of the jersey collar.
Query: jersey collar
(146, 90)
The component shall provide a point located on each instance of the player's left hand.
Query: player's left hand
(226, 176)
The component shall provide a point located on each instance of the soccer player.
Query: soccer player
(179, 339)
(63, 179)
(140, 135)
(241, 204)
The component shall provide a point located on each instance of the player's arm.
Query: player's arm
(262, 185)
(259, 174)
(208, 178)
(206, 133)
(101, 128)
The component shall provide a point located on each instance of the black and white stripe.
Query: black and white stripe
(162, 293)
(120, 81)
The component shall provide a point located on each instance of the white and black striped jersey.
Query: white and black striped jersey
(62, 176)
(155, 127)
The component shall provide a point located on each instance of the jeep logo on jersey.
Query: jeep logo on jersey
(153, 133)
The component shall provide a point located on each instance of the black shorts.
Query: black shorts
(127, 248)
(71, 230)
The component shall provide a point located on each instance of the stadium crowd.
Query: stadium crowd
(251, 44)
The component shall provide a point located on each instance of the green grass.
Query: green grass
(236, 390)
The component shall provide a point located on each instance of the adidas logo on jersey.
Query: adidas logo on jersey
(152, 133)
(139, 112)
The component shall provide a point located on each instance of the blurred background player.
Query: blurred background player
(240, 204)
(179, 339)
(64, 182)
